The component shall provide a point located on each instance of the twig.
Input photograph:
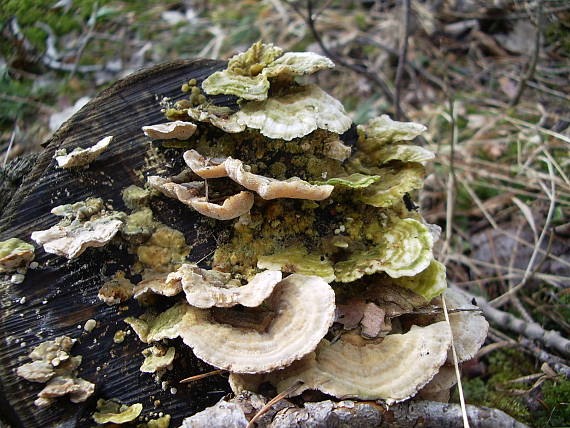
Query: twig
(529, 272)
(402, 56)
(358, 68)
(451, 180)
(14, 132)
(556, 363)
(85, 41)
(202, 376)
(456, 366)
(550, 338)
(41, 106)
(534, 59)
(495, 226)
(421, 70)
(537, 128)
(271, 402)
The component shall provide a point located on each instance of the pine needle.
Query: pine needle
(202, 376)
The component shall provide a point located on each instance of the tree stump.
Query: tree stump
(60, 295)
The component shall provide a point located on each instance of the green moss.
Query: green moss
(503, 365)
(556, 397)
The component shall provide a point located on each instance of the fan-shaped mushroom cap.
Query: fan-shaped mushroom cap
(298, 260)
(163, 131)
(392, 370)
(81, 157)
(304, 311)
(406, 251)
(401, 152)
(205, 167)
(220, 117)
(162, 283)
(189, 194)
(73, 239)
(270, 188)
(353, 181)
(382, 130)
(206, 288)
(295, 114)
(429, 283)
(393, 184)
(469, 328)
(444, 379)
(232, 207)
(165, 325)
(297, 64)
(110, 411)
(117, 290)
(242, 77)
(252, 88)
(15, 253)
(157, 358)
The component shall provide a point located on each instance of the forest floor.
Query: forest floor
(491, 84)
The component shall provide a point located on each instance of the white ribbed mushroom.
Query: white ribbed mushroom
(206, 288)
(163, 131)
(304, 310)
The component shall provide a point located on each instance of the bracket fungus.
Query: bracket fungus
(392, 370)
(111, 411)
(190, 194)
(81, 157)
(248, 74)
(178, 129)
(406, 250)
(298, 199)
(205, 167)
(53, 363)
(85, 224)
(157, 358)
(242, 76)
(303, 309)
(383, 130)
(469, 327)
(206, 288)
(269, 188)
(14, 254)
(295, 114)
(298, 260)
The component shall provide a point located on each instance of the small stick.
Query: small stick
(534, 331)
(274, 400)
(456, 366)
(202, 376)
(534, 59)
(402, 55)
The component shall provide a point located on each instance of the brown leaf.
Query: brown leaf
(372, 321)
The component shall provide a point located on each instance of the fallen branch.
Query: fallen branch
(533, 331)
(556, 363)
(348, 413)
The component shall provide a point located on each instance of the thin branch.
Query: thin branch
(358, 68)
(14, 132)
(402, 56)
(534, 59)
(86, 39)
(274, 400)
(550, 338)
(556, 363)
